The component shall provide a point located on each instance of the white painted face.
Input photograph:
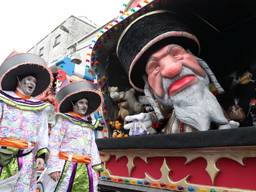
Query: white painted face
(27, 85)
(81, 106)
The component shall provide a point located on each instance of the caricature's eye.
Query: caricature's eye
(176, 50)
(152, 67)
(157, 69)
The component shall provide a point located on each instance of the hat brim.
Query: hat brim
(66, 105)
(106, 44)
(204, 24)
(42, 74)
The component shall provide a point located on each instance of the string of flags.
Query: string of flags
(91, 55)
(123, 15)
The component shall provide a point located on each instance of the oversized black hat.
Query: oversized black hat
(147, 33)
(22, 65)
(152, 24)
(75, 91)
(138, 34)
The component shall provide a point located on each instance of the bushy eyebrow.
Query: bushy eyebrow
(171, 47)
(150, 60)
(174, 46)
(155, 59)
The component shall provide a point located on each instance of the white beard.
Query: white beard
(195, 105)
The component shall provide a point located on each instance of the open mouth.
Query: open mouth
(83, 110)
(30, 87)
(181, 83)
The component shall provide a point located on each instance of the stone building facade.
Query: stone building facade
(62, 40)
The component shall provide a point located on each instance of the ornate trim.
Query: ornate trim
(165, 182)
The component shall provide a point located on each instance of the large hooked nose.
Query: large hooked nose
(170, 67)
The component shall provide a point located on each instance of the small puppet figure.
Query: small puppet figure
(126, 101)
(117, 129)
(236, 112)
(242, 93)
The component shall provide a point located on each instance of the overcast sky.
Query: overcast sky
(25, 22)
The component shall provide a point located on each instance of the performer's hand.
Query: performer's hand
(55, 175)
(39, 163)
(138, 124)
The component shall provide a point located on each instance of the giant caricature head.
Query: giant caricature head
(164, 52)
(175, 63)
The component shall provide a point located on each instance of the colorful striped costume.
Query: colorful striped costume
(74, 136)
(21, 120)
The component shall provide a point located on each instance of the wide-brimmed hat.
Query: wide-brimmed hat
(208, 26)
(73, 92)
(133, 38)
(147, 34)
(22, 65)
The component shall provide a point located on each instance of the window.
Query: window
(72, 49)
(56, 41)
(41, 51)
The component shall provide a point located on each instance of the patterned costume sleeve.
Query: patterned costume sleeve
(51, 116)
(96, 161)
(43, 136)
(1, 110)
(56, 136)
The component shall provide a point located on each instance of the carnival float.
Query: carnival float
(207, 160)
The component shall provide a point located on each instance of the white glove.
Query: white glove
(138, 124)
(231, 124)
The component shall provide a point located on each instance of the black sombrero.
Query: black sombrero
(208, 24)
(137, 35)
(22, 65)
(147, 33)
(76, 91)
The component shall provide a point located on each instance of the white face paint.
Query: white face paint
(27, 85)
(81, 106)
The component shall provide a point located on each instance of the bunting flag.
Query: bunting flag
(124, 13)
(90, 58)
